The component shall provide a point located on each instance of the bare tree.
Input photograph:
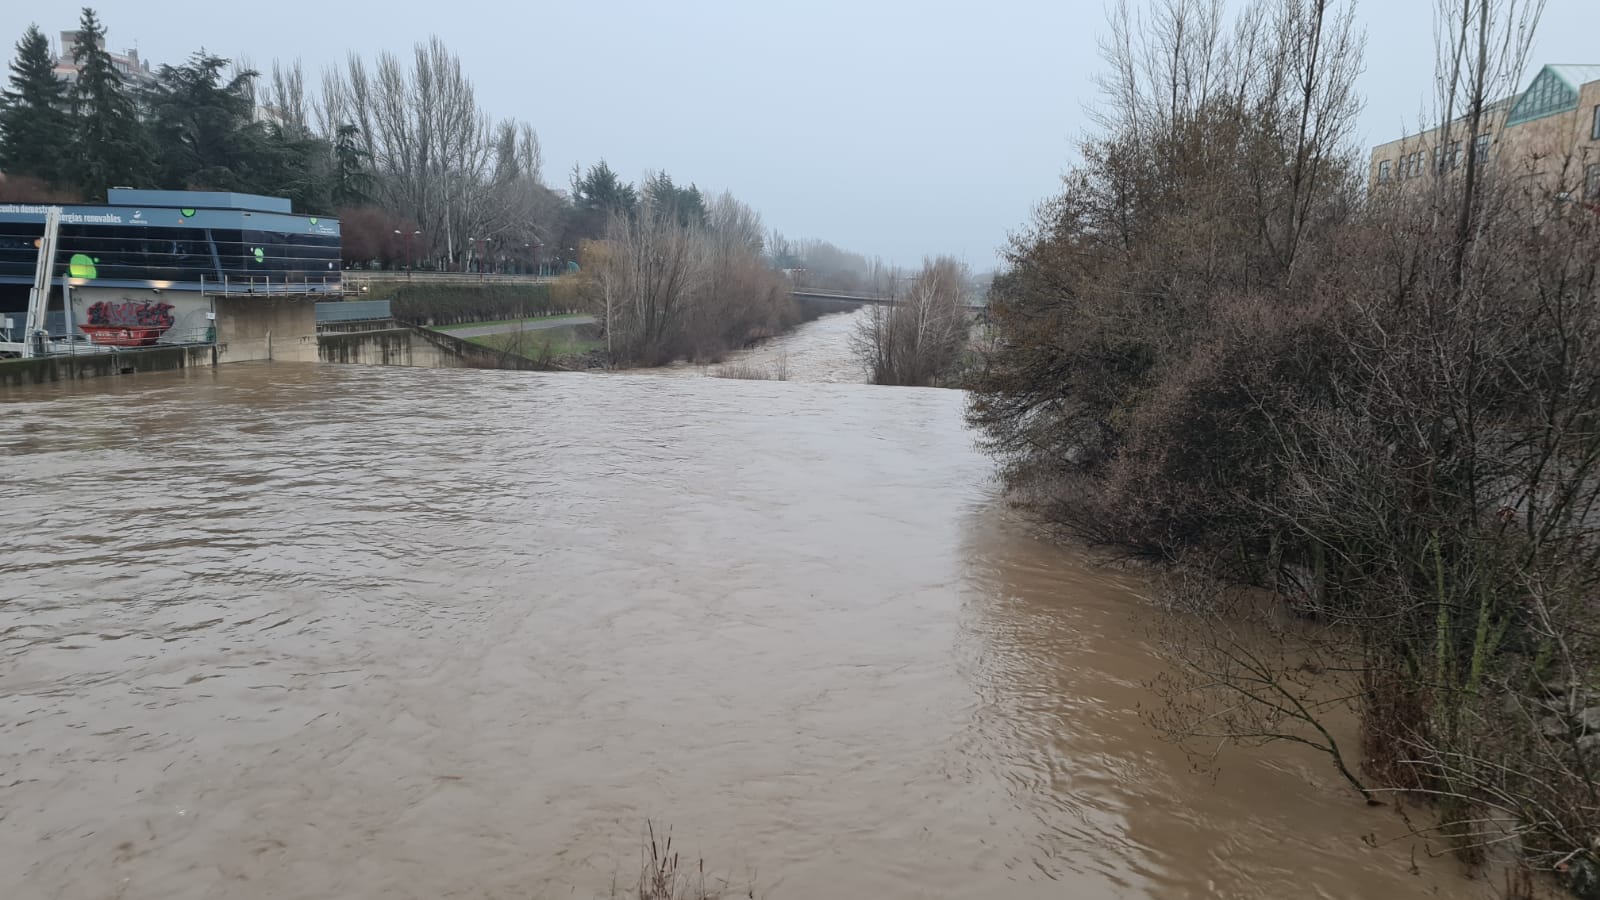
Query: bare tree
(649, 273)
(917, 336)
(668, 287)
(438, 158)
(285, 94)
(1164, 67)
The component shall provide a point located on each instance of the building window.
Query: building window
(1383, 171)
(1454, 159)
(1480, 148)
(1594, 130)
(1591, 183)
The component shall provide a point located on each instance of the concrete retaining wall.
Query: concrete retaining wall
(466, 354)
(409, 345)
(18, 372)
(276, 328)
(258, 329)
(394, 346)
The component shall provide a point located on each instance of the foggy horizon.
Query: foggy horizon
(895, 131)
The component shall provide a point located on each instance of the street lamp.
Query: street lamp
(409, 257)
(477, 244)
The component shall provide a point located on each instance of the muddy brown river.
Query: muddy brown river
(317, 631)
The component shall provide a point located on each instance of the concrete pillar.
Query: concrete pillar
(276, 328)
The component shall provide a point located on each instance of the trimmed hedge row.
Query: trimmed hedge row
(456, 304)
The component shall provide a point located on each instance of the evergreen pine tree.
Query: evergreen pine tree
(352, 168)
(205, 133)
(34, 128)
(298, 165)
(596, 195)
(110, 144)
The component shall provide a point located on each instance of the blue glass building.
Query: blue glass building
(174, 241)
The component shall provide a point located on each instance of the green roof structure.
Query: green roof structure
(1554, 90)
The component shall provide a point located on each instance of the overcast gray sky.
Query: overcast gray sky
(895, 128)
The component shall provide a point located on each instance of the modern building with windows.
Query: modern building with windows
(183, 251)
(1548, 135)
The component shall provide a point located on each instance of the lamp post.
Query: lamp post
(477, 244)
(408, 236)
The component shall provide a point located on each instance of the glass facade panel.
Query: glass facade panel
(278, 255)
(18, 247)
(182, 255)
(135, 254)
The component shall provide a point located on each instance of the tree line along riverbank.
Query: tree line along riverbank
(1218, 348)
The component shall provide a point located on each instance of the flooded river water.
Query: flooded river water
(321, 631)
(816, 352)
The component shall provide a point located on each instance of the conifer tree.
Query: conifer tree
(110, 146)
(34, 127)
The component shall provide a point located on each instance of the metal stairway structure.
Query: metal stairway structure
(33, 331)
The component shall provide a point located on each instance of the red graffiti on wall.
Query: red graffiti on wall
(130, 314)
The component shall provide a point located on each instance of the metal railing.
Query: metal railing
(355, 278)
(55, 339)
(267, 284)
(79, 344)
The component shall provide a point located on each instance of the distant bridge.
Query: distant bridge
(841, 296)
(861, 297)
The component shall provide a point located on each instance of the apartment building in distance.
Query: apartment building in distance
(134, 71)
(1548, 134)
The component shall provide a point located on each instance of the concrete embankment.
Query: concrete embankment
(409, 345)
(47, 369)
(285, 330)
(248, 329)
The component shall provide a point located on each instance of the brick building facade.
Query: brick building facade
(1547, 135)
